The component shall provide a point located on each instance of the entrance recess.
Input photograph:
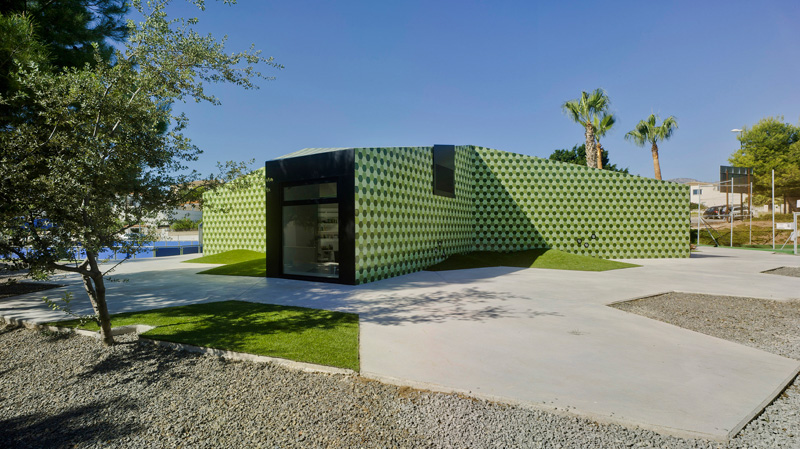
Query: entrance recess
(310, 222)
(310, 215)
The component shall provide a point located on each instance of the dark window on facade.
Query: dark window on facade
(444, 170)
(309, 192)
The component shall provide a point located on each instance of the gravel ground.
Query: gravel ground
(786, 271)
(60, 390)
(773, 326)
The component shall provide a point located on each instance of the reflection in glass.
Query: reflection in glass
(310, 192)
(311, 240)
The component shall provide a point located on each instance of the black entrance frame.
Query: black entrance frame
(334, 166)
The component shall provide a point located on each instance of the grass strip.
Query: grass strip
(229, 257)
(255, 268)
(296, 333)
(789, 249)
(532, 258)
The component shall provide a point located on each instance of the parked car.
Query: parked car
(738, 213)
(715, 212)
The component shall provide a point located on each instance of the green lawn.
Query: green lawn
(307, 335)
(761, 236)
(227, 257)
(533, 258)
(238, 262)
(256, 267)
(789, 249)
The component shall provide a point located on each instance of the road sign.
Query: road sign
(741, 177)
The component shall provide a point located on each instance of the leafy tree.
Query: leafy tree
(73, 31)
(577, 155)
(95, 157)
(647, 131)
(584, 111)
(770, 145)
(18, 46)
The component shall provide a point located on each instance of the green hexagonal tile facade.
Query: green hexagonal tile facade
(401, 226)
(236, 218)
(503, 202)
(526, 202)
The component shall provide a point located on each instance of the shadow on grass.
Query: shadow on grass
(297, 333)
(225, 324)
(253, 268)
(533, 258)
(487, 259)
(73, 427)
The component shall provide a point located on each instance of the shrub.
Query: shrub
(184, 224)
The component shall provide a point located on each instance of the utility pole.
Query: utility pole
(773, 209)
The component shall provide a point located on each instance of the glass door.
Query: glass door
(311, 230)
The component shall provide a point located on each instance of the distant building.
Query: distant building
(709, 194)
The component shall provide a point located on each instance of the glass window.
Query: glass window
(444, 170)
(311, 240)
(310, 192)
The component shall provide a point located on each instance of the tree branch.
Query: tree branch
(138, 89)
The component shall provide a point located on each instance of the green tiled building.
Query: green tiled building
(356, 215)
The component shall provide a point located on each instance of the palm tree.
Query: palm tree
(601, 126)
(584, 111)
(647, 131)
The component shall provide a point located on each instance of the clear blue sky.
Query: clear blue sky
(495, 74)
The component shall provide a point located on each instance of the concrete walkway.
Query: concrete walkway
(543, 338)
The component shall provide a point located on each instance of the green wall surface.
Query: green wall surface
(401, 226)
(507, 202)
(527, 202)
(235, 218)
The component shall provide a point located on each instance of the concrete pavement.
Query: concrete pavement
(542, 338)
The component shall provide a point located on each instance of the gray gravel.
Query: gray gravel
(59, 390)
(773, 326)
(785, 271)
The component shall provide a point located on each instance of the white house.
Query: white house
(709, 194)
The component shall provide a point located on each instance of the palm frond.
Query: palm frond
(585, 109)
(667, 128)
(603, 124)
(598, 101)
(647, 130)
(636, 137)
(573, 110)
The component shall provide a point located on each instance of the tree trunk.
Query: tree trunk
(599, 155)
(591, 152)
(656, 165)
(96, 288)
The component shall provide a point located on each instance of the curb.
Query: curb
(245, 357)
(38, 326)
(650, 295)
